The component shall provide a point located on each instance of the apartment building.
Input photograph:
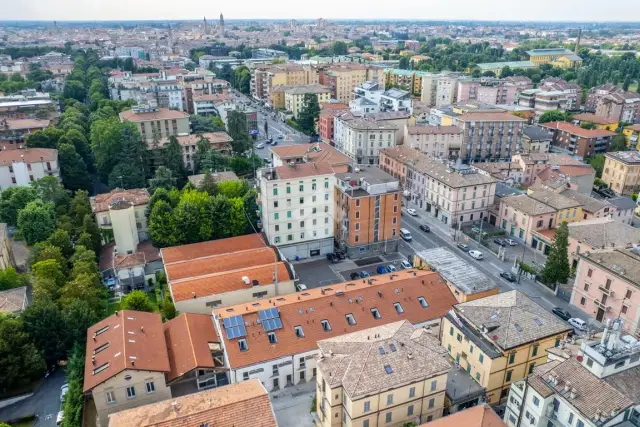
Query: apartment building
(264, 53)
(487, 91)
(367, 212)
(497, 67)
(275, 340)
(489, 135)
(29, 104)
(297, 202)
(224, 272)
(450, 195)
(577, 141)
(294, 97)
(397, 377)
(508, 172)
(599, 387)
(157, 123)
(620, 106)
(600, 122)
(621, 172)
(558, 57)
(362, 138)
(535, 140)
(219, 141)
(121, 217)
(438, 142)
(597, 234)
(14, 132)
(534, 163)
(371, 97)
(438, 90)
(527, 220)
(342, 78)
(632, 133)
(573, 91)
(465, 282)
(567, 209)
(592, 208)
(265, 77)
(520, 82)
(22, 167)
(541, 100)
(500, 339)
(318, 152)
(326, 120)
(410, 80)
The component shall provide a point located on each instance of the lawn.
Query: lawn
(154, 297)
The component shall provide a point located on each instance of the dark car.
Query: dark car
(464, 247)
(354, 276)
(364, 274)
(425, 228)
(561, 313)
(333, 258)
(381, 269)
(507, 275)
(499, 242)
(341, 254)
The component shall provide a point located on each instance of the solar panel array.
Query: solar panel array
(270, 319)
(234, 326)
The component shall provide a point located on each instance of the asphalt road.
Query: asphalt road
(45, 403)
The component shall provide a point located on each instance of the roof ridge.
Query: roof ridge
(364, 364)
(221, 273)
(195, 359)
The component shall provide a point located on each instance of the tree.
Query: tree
(309, 114)
(597, 163)
(90, 227)
(233, 189)
(61, 239)
(168, 308)
(138, 301)
(20, 360)
(203, 146)
(82, 146)
(191, 213)
(202, 124)
(250, 202)
(77, 317)
(339, 48)
(75, 89)
(237, 128)
(11, 279)
(220, 212)
(553, 116)
(80, 207)
(50, 190)
(237, 217)
(208, 184)
(172, 159)
(163, 178)
(43, 321)
(241, 79)
(588, 125)
(106, 144)
(404, 63)
(74, 399)
(73, 170)
(126, 175)
(45, 250)
(130, 171)
(13, 200)
(617, 143)
(626, 83)
(162, 225)
(85, 287)
(215, 161)
(557, 267)
(37, 221)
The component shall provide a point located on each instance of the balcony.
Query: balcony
(608, 292)
(599, 304)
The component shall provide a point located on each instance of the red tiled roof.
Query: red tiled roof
(488, 116)
(29, 155)
(125, 340)
(318, 152)
(478, 416)
(144, 254)
(300, 170)
(211, 247)
(101, 202)
(23, 124)
(599, 120)
(577, 130)
(161, 114)
(188, 337)
(309, 308)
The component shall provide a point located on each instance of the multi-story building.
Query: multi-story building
(535, 140)
(595, 94)
(362, 138)
(558, 57)
(397, 377)
(22, 167)
(224, 272)
(297, 208)
(208, 104)
(438, 142)
(527, 220)
(311, 153)
(600, 122)
(13, 133)
(508, 172)
(541, 100)
(265, 77)
(598, 387)
(573, 91)
(632, 133)
(263, 53)
(29, 105)
(567, 209)
(465, 281)
(450, 195)
(157, 123)
(275, 340)
(326, 125)
(487, 91)
(367, 212)
(621, 172)
(250, 115)
(534, 163)
(489, 135)
(620, 106)
(370, 97)
(497, 67)
(500, 339)
(438, 90)
(592, 208)
(342, 78)
(520, 82)
(578, 141)
(127, 227)
(294, 97)
(409, 80)
(601, 233)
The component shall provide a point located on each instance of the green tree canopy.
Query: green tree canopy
(13, 200)
(553, 116)
(37, 221)
(309, 114)
(43, 321)
(557, 268)
(162, 227)
(10, 279)
(73, 170)
(172, 159)
(617, 143)
(138, 301)
(20, 360)
(163, 178)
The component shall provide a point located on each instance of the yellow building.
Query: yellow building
(294, 96)
(384, 376)
(600, 121)
(621, 172)
(410, 80)
(342, 78)
(277, 97)
(567, 209)
(265, 77)
(632, 133)
(558, 57)
(500, 339)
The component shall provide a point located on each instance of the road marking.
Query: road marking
(496, 267)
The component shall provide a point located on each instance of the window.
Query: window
(451, 331)
(536, 401)
(301, 224)
(301, 200)
(434, 385)
(459, 338)
(365, 423)
(275, 204)
(288, 214)
(583, 301)
(301, 187)
(628, 294)
(619, 364)
(432, 402)
(512, 358)
(131, 392)
(289, 226)
(350, 319)
(387, 418)
(389, 399)
(579, 423)
(274, 370)
(589, 362)
(299, 331)
(624, 309)
(534, 352)
(242, 344)
(272, 337)
(423, 302)
(276, 239)
(326, 196)
(429, 418)
(586, 286)
(412, 392)
(245, 376)
(571, 418)
(478, 376)
(533, 365)
(275, 192)
(509, 373)
(276, 216)
(302, 364)
(325, 325)
(398, 307)
(367, 406)
(589, 272)
(410, 410)
(288, 190)
(111, 397)
(151, 387)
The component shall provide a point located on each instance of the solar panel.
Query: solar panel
(269, 313)
(388, 369)
(392, 347)
(270, 319)
(234, 326)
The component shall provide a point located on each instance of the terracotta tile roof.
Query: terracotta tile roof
(555, 200)
(301, 170)
(145, 253)
(28, 155)
(23, 124)
(478, 416)
(101, 202)
(188, 337)
(318, 152)
(633, 127)
(13, 301)
(219, 263)
(213, 137)
(433, 130)
(482, 116)
(211, 247)
(577, 130)
(307, 309)
(599, 120)
(527, 205)
(161, 114)
(243, 404)
(125, 340)
(226, 281)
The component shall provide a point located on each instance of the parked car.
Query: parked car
(354, 276)
(509, 276)
(333, 258)
(425, 228)
(381, 269)
(301, 287)
(405, 264)
(260, 146)
(280, 136)
(511, 242)
(59, 418)
(476, 254)
(63, 391)
(340, 254)
(406, 234)
(464, 247)
(578, 323)
(364, 274)
(499, 242)
(412, 212)
(274, 143)
(391, 268)
(561, 313)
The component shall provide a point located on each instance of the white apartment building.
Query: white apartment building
(371, 98)
(598, 387)
(22, 167)
(362, 138)
(438, 142)
(298, 208)
(438, 90)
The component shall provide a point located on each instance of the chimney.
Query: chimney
(567, 386)
(141, 328)
(193, 294)
(573, 393)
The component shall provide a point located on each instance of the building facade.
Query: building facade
(438, 142)
(157, 123)
(621, 172)
(577, 141)
(489, 136)
(22, 167)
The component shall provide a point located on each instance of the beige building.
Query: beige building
(121, 217)
(219, 141)
(342, 78)
(362, 138)
(6, 251)
(265, 77)
(500, 339)
(438, 142)
(438, 90)
(294, 96)
(388, 375)
(155, 124)
(621, 172)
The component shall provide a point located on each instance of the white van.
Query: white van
(405, 234)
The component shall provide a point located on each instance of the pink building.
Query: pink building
(527, 220)
(606, 286)
(490, 92)
(598, 234)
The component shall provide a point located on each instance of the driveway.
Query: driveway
(45, 403)
(292, 405)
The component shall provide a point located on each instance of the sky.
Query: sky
(511, 10)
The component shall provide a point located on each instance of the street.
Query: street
(45, 402)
